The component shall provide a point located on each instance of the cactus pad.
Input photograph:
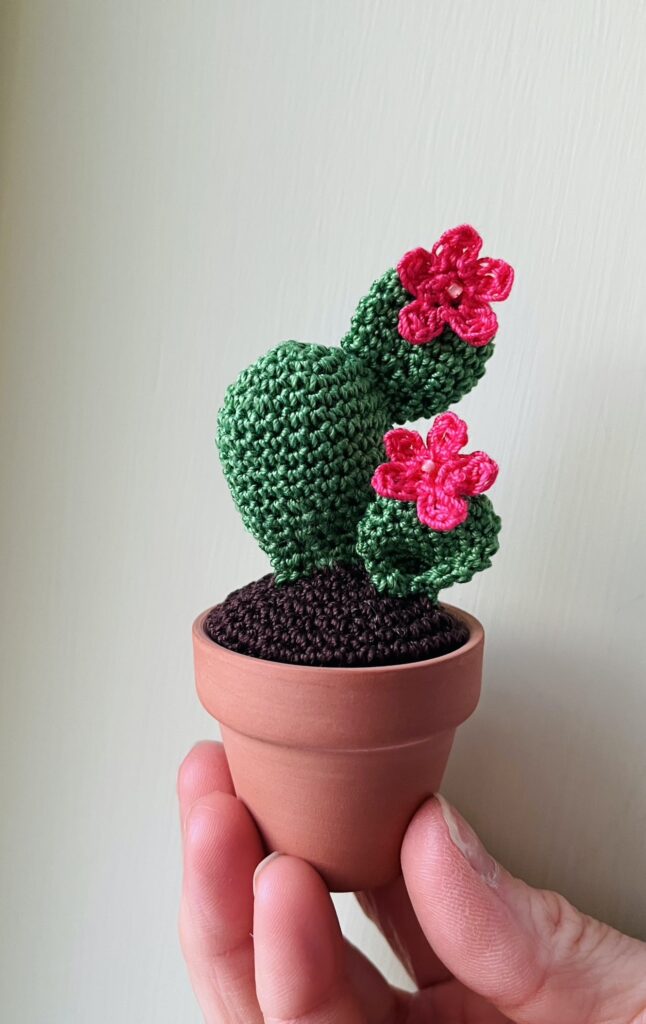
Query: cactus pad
(299, 434)
(417, 380)
(403, 557)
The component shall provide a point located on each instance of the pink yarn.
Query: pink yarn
(434, 474)
(452, 286)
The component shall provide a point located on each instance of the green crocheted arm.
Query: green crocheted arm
(404, 557)
(425, 329)
(430, 526)
(417, 381)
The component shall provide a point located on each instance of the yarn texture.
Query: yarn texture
(301, 431)
(452, 286)
(402, 556)
(335, 618)
(435, 474)
(416, 380)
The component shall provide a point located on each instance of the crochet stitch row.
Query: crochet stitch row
(334, 618)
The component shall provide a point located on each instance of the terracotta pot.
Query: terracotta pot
(334, 762)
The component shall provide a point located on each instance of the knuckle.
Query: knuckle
(570, 934)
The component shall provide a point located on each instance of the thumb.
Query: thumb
(526, 950)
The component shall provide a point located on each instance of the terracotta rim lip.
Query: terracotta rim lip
(476, 636)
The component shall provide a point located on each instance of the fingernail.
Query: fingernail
(263, 864)
(469, 845)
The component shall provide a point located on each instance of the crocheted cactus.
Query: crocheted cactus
(301, 430)
(300, 433)
(415, 380)
(403, 557)
(430, 527)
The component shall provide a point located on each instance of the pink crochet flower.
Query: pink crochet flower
(452, 286)
(434, 474)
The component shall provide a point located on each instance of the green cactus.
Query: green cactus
(416, 380)
(301, 430)
(403, 557)
(299, 434)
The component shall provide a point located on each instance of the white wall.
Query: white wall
(183, 186)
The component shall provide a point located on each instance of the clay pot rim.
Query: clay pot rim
(476, 635)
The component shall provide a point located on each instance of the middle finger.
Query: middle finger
(391, 910)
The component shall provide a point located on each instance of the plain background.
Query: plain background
(184, 185)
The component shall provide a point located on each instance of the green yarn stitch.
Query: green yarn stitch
(301, 431)
(402, 556)
(299, 434)
(417, 380)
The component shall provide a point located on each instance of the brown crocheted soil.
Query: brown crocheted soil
(334, 618)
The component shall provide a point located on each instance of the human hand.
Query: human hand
(481, 946)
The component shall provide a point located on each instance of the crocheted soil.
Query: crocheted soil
(334, 618)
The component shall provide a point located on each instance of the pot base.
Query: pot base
(345, 814)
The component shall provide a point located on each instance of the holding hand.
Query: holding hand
(481, 946)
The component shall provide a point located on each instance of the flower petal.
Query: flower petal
(473, 321)
(480, 473)
(441, 511)
(414, 268)
(467, 475)
(420, 322)
(492, 280)
(399, 480)
(457, 248)
(447, 435)
(402, 445)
